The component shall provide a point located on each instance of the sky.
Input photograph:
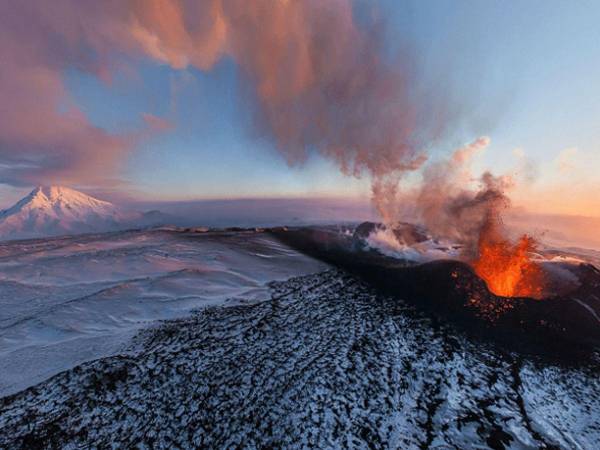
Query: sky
(139, 109)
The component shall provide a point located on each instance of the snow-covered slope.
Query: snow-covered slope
(71, 299)
(251, 358)
(55, 211)
(325, 363)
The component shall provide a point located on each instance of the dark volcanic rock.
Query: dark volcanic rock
(454, 292)
(409, 234)
(365, 229)
(327, 363)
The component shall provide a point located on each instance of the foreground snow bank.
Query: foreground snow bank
(64, 301)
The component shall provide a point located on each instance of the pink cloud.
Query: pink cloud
(44, 136)
(320, 81)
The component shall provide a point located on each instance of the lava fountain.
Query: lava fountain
(507, 267)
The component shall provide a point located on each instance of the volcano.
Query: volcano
(566, 313)
(58, 210)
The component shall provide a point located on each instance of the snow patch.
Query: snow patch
(385, 241)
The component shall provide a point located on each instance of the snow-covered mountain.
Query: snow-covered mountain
(56, 210)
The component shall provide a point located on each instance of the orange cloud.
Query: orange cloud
(320, 81)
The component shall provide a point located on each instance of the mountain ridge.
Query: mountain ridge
(59, 210)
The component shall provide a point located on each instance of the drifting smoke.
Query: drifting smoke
(321, 81)
(446, 201)
(450, 209)
(473, 217)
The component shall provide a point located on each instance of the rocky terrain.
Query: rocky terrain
(325, 363)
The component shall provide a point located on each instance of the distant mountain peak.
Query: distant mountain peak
(54, 193)
(59, 210)
(50, 196)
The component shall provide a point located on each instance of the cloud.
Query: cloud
(526, 170)
(466, 153)
(320, 81)
(44, 136)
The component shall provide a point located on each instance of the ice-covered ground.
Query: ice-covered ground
(316, 359)
(64, 301)
(325, 363)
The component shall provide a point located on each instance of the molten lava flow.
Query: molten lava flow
(507, 267)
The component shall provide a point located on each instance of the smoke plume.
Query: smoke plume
(321, 80)
(451, 208)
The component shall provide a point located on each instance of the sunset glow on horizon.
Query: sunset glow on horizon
(166, 100)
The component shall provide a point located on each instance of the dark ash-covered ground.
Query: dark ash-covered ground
(326, 363)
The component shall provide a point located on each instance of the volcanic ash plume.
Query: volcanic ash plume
(446, 204)
(319, 79)
(473, 218)
(321, 82)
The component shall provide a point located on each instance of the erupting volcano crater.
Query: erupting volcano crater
(514, 291)
(508, 268)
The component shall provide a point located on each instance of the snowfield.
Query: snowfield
(64, 301)
(262, 348)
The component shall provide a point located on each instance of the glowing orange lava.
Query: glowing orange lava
(507, 267)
